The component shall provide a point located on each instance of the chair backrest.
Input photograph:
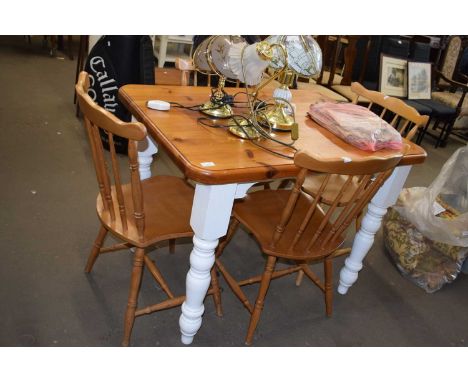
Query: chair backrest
(348, 45)
(330, 46)
(406, 119)
(450, 59)
(184, 70)
(420, 49)
(362, 178)
(95, 118)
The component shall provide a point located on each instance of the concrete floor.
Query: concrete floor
(48, 224)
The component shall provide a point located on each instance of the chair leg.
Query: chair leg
(264, 284)
(328, 271)
(171, 245)
(96, 249)
(230, 233)
(216, 292)
(284, 184)
(422, 132)
(442, 132)
(300, 276)
(444, 135)
(135, 282)
(69, 47)
(359, 220)
(214, 276)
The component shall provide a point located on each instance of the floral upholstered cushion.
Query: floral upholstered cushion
(346, 91)
(450, 59)
(326, 76)
(330, 94)
(428, 264)
(450, 99)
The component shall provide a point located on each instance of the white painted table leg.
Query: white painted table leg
(385, 197)
(162, 50)
(146, 149)
(211, 212)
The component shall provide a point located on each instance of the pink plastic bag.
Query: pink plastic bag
(356, 125)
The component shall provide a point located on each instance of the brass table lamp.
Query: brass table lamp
(304, 58)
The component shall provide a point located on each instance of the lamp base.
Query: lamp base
(216, 110)
(243, 129)
(277, 119)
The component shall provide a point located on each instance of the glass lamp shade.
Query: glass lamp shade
(304, 54)
(212, 55)
(248, 62)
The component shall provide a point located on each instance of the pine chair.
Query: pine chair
(292, 225)
(140, 213)
(404, 118)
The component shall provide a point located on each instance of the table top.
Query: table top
(214, 156)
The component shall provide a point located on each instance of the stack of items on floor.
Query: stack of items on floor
(426, 232)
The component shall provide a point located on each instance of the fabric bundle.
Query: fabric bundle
(356, 125)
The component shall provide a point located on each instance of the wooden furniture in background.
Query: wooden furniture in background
(140, 213)
(448, 64)
(225, 167)
(330, 46)
(180, 75)
(54, 45)
(455, 99)
(291, 225)
(80, 64)
(164, 47)
(350, 59)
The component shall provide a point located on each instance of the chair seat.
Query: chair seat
(421, 109)
(371, 85)
(322, 90)
(261, 212)
(313, 182)
(450, 99)
(167, 204)
(346, 91)
(326, 77)
(438, 109)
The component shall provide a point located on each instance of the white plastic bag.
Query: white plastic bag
(419, 205)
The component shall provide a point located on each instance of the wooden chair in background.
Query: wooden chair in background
(350, 60)
(448, 64)
(402, 117)
(183, 74)
(178, 76)
(292, 225)
(140, 213)
(330, 46)
(80, 64)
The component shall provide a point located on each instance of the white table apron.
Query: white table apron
(211, 211)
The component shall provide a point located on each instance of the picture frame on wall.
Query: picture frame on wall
(393, 76)
(419, 80)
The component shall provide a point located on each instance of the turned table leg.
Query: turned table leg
(211, 212)
(385, 197)
(146, 149)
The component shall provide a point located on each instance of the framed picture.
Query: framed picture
(393, 78)
(419, 80)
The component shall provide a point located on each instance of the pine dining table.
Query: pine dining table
(224, 167)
